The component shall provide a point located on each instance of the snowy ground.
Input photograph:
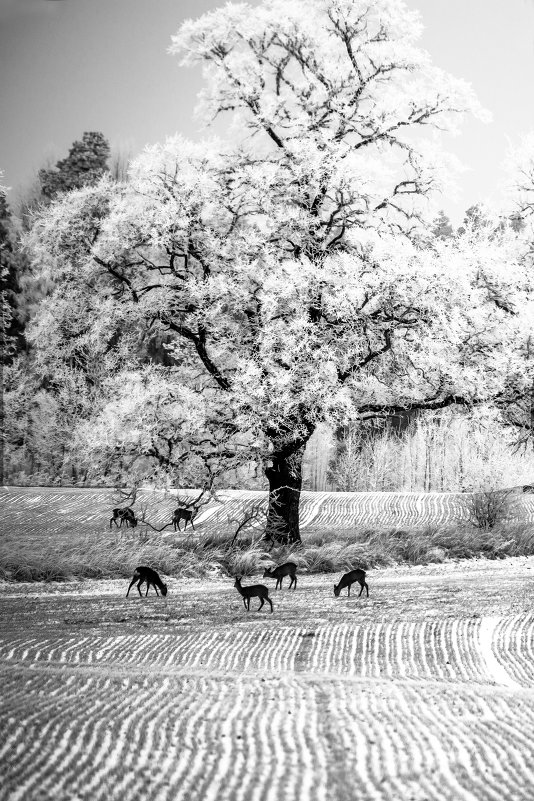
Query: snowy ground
(423, 691)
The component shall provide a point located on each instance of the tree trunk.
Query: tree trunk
(285, 483)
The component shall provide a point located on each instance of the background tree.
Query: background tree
(38, 421)
(442, 227)
(12, 328)
(86, 163)
(291, 273)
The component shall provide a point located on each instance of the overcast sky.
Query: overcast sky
(68, 66)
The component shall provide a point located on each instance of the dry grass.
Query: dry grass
(107, 554)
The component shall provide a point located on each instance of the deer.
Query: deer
(287, 569)
(349, 578)
(125, 515)
(254, 591)
(146, 574)
(182, 513)
(188, 511)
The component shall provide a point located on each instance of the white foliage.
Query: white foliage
(295, 282)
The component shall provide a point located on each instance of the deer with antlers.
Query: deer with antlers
(188, 510)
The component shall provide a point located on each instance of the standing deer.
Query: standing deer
(348, 579)
(254, 591)
(287, 569)
(143, 574)
(125, 515)
(182, 513)
(188, 511)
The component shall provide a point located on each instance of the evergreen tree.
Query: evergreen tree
(85, 164)
(442, 226)
(11, 326)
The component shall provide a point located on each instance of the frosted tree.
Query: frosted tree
(295, 272)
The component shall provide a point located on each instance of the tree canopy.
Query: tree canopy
(294, 273)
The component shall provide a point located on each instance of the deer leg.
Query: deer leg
(348, 596)
(270, 603)
(139, 587)
(157, 593)
(367, 588)
(192, 526)
(361, 589)
(244, 602)
(132, 582)
(261, 604)
(294, 582)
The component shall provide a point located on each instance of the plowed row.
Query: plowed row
(451, 650)
(424, 691)
(330, 510)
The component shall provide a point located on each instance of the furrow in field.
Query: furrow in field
(22, 716)
(34, 771)
(467, 723)
(170, 755)
(85, 741)
(489, 641)
(446, 650)
(421, 749)
(257, 648)
(197, 742)
(512, 648)
(310, 508)
(282, 737)
(80, 772)
(325, 509)
(144, 715)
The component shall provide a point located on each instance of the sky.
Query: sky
(69, 66)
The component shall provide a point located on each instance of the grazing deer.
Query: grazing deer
(349, 578)
(254, 591)
(143, 574)
(125, 515)
(287, 569)
(182, 513)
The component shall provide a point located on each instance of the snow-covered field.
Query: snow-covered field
(425, 690)
(55, 510)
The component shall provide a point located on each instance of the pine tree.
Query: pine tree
(85, 164)
(11, 326)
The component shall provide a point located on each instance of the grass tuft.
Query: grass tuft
(34, 556)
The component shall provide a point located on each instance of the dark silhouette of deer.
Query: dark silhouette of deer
(146, 574)
(348, 579)
(254, 591)
(182, 513)
(287, 569)
(125, 515)
(187, 511)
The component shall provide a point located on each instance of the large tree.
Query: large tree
(292, 272)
